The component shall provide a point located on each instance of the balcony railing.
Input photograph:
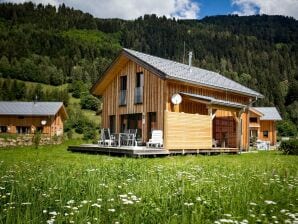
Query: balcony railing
(138, 95)
(122, 98)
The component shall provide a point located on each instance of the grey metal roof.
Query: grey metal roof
(182, 72)
(214, 101)
(270, 113)
(29, 108)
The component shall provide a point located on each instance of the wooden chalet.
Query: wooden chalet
(29, 117)
(262, 123)
(143, 92)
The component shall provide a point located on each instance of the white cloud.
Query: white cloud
(129, 9)
(269, 7)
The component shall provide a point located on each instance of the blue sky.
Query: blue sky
(182, 9)
(215, 7)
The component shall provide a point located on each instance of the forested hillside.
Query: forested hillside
(56, 46)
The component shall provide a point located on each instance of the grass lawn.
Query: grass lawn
(53, 185)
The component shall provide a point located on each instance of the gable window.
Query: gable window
(123, 90)
(139, 87)
(253, 120)
(265, 134)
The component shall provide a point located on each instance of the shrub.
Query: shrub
(36, 139)
(69, 134)
(89, 133)
(89, 102)
(289, 147)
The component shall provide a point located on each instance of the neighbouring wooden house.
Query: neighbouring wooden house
(143, 92)
(28, 117)
(262, 123)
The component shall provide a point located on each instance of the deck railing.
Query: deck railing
(139, 95)
(122, 98)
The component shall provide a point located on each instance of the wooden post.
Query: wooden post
(237, 117)
(177, 108)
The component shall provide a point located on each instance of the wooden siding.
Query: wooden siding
(157, 98)
(176, 87)
(188, 106)
(152, 97)
(261, 126)
(53, 126)
(270, 127)
(187, 131)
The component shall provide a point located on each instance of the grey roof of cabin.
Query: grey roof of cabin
(182, 72)
(29, 108)
(270, 113)
(214, 101)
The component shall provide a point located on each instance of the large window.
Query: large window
(123, 88)
(139, 87)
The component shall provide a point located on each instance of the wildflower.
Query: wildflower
(99, 199)
(84, 202)
(70, 202)
(253, 204)
(75, 208)
(123, 195)
(51, 221)
(53, 213)
(44, 211)
(26, 203)
(111, 210)
(188, 204)
(226, 220)
(199, 199)
(127, 202)
(96, 205)
(268, 202)
(228, 215)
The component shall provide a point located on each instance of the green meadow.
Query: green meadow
(52, 185)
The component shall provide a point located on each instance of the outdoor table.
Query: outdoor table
(121, 135)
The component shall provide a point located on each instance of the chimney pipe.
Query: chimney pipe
(189, 59)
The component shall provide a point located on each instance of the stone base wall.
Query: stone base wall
(27, 141)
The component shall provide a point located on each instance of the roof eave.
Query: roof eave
(212, 86)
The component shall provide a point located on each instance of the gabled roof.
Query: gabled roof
(168, 69)
(213, 101)
(269, 113)
(182, 72)
(31, 108)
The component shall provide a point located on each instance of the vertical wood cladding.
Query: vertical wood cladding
(152, 97)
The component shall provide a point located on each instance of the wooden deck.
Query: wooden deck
(142, 151)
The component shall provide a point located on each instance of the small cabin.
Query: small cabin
(195, 108)
(262, 123)
(29, 117)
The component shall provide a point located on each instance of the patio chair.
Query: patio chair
(132, 139)
(106, 138)
(156, 139)
(214, 142)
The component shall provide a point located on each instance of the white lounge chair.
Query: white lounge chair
(156, 139)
